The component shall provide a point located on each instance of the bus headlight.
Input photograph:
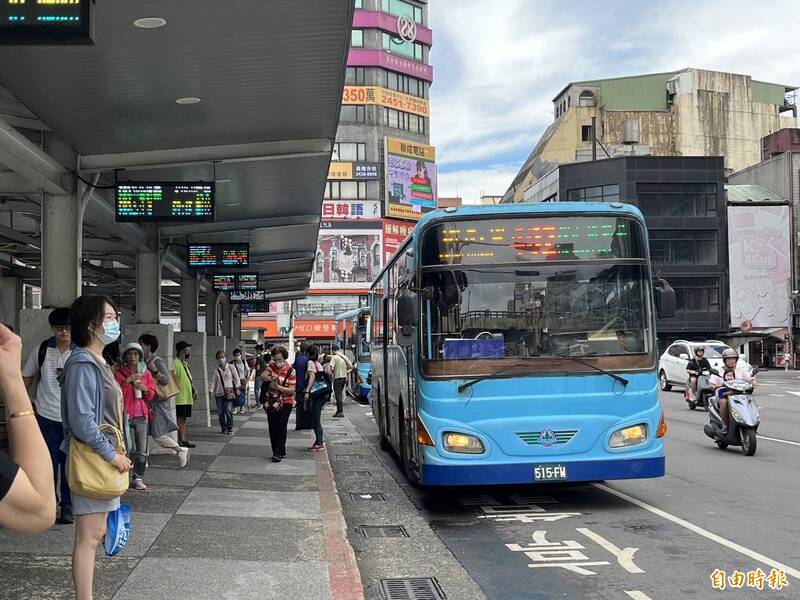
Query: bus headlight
(629, 436)
(462, 443)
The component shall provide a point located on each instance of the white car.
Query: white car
(672, 364)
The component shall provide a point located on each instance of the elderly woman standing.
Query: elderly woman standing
(91, 397)
(278, 391)
(138, 389)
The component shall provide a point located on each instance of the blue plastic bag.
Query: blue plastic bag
(118, 529)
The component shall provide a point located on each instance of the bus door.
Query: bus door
(384, 399)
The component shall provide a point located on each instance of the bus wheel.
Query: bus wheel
(411, 475)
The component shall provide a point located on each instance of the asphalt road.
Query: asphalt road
(640, 539)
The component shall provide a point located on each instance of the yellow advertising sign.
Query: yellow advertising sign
(340, 170)
(410, 149)
(402, 211)
(359, 94)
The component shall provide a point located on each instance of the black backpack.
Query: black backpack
(43, 351)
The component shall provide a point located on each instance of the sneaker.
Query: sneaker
(66, 517)
(187, 444)
(282, 456)
(276, 459)
(316, 447)
(138, 484)
(183, 456)
(724, 431)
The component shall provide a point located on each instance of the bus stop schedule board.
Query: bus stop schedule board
(219, 255)
(45, 22)
(247, 297)
(228, 282)
(159, 201)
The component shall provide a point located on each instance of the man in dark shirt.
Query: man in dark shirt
(696, 366)
(303, 417)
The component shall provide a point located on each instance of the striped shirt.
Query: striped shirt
(48, 392)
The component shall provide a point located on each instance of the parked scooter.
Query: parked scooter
(704, 389)
(744, 418)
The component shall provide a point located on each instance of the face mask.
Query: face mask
(279, 362)
(186, 356)
(237, 358)
(222, 361)
(110, 332)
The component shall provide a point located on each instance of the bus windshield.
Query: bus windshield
(478, 317)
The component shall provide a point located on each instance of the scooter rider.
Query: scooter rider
(696, 366)
(722, 396)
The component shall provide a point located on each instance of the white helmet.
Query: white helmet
(730, 353)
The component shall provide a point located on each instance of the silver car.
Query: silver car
(672, 364)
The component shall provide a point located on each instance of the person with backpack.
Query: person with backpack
(162, 423)
(278, 399)
(317, 392)
(44, 365)
(222, 388)
(243, 370)
(302, 415)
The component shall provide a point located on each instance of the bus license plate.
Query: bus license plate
(551, 472)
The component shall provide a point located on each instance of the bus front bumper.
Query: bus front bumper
(522, 473)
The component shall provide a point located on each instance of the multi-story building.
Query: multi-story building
(383, 174)
(683, 201)
(690, 112)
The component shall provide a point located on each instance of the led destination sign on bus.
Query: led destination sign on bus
(542, 239)
(228, 282)
(44, 22)
(219, 255)
(160, 201)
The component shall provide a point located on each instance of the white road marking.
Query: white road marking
(624, 557)
(637, 595)
(795, 393)
(761, 437)
(777, 395)
(702, 532)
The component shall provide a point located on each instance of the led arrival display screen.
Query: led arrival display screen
(249, 297)
(44, 22)
(219, 255)
(228, 282)
(514, 240)
(160, 201)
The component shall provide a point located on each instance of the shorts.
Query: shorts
(183, 410)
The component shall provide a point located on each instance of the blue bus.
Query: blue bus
(353, 336)
(516, 344)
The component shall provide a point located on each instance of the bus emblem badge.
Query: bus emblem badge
(547, 437)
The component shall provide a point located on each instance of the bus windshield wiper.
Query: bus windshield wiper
(613, 376)
(472, 382)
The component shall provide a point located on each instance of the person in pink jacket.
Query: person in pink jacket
(138, 389)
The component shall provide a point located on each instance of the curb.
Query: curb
(345, 578)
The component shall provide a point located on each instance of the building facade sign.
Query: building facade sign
(406, 28)
(349, 255)
(410, 179)
(359, 94)
(353, 170)
(367, 57)
(394, 234)
(351, 209)
(760, 263)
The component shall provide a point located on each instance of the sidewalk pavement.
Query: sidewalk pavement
(231, 524)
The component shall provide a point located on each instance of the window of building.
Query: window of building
(357, 38)
(695, 295)
(349, 151)
(406, 84)
(326, 306)
(359, 3)
(586, 98)
(354, 76)
(677, 199)
(346, 190)
(397, 45)
(683, 247)
(599, 193)
(400, 7)
(353, 113)
(569, 101)
(403, 120)
(586, 133)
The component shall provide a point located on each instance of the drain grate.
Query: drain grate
(367, 496)
(382, 531)
(411, 588)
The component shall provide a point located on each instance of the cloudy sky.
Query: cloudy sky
(498, 64)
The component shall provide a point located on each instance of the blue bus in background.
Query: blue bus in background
(516, 344)
(353, 336)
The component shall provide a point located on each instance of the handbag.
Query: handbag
(118, 530)
(92, 476)
(230, 393)
(167, 391)
(321, 386)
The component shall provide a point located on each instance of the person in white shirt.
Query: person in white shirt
(44, 365)
(244, 376)
(222, 388)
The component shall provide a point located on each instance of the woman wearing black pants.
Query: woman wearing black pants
(278, 391)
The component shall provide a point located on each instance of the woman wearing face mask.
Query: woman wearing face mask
(138, 389)
(244, 377)
(222, 387)
(278, 401)
(90, 397)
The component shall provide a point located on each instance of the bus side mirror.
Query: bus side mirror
(665, 300)
(407, 316)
